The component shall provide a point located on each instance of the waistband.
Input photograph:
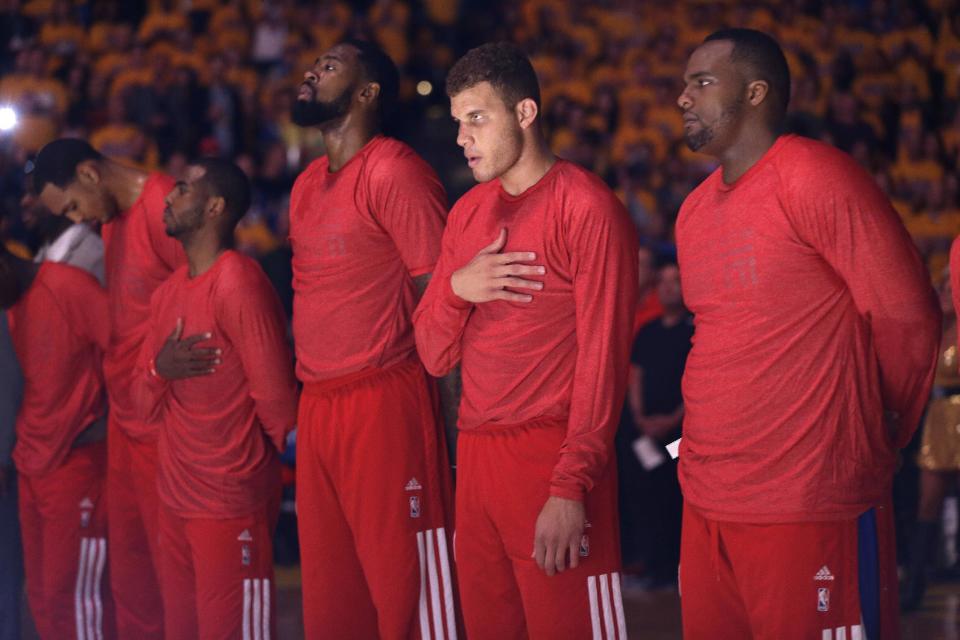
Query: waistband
(322, 387)
(494, 428)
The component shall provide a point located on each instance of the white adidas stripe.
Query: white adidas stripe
(840, 633)
(436, 582)
(87, 601)
(256, 609)
(605, 598)
(447, 583)
(78, 590)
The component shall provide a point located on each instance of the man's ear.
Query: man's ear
(527, 112)
(216, 206)
(370, 92)
(88, 172)
(757, 92)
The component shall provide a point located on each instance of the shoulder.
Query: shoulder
(476, 197)
(806, 163)
(239, 272)
(585, 198)
(389, 160)
(66, 280)
(316, 167)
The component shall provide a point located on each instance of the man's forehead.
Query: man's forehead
(709, 56)
(342, 52)
(479, 96)
(53, 196)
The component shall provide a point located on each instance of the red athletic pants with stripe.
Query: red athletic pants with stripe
(373, 496)
(216, 576)
(63, 521)
(132, 508)
(833, 580)
(503, 482)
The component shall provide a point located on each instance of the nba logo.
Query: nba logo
(584, 546)
(245, 555)
(414, 506)
(85, 519)
(823, 599)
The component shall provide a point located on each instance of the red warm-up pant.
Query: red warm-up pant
(216, 575)
(503, 483)
(63, 521)
(373, 496)
(833, 580)
(132, 508)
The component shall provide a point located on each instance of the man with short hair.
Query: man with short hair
(534, 296)
(373, 484)
(816, 338)
(74, 180)
(220, 430)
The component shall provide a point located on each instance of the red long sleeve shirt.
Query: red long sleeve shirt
(359, 236)
(139, 256)
(564, 355)
(813, 315)
(60, 329)
(220, 433)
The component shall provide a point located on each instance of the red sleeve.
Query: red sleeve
(249, 313)
(49, 331)
(604, 259)
(955, 274)
(441, 316)
(410, 204)
(167, 249)
(841, 213)
(147, 389)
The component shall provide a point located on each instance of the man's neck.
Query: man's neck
(202, 252)
(740, 157)
(345, 138)
(125, 183)
(535, 161)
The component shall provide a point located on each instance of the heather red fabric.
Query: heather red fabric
(813, 315)
(359, 236)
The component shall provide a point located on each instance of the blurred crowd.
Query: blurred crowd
(161, 81)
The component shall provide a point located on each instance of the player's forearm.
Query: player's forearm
(439, 322)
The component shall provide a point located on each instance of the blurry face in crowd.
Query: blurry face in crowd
(668, 287)
(327, 89)
(186, 204)
(83, 200)
(490, 132)
(713, 99)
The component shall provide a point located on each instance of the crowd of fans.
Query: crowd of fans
(158, 82)
(161, 81)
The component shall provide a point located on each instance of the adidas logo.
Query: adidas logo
(86, 503)
(246, 537)
(413, 485)
(823, 574)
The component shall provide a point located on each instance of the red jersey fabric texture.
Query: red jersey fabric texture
(359, 236)
(139, 256)
(813, 314)
(220, 433)
(954, 263)
(60, 329)
(565, 354)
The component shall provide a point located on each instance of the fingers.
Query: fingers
(503, 294)
(194, 339)
(177, 330)
(520, 283)
(550, 558)
(560, 558)
(519, 270)
(574, 554)
(515, 256)
(539, 551)
(497, 244)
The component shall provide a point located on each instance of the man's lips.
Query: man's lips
(472, 161)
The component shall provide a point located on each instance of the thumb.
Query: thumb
(498, 244)
(177, 331)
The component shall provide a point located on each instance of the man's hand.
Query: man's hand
(178, 359)
(487, 276)
(559, 531)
